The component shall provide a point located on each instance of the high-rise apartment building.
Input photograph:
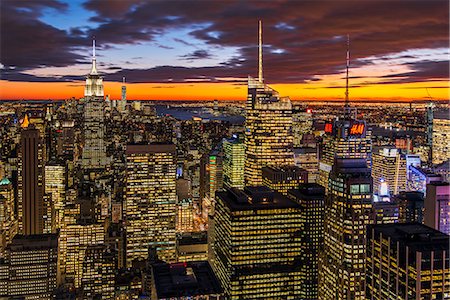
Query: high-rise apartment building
(311, 198)
(389, 165)
(268, 127)
(30, 202)
(8, 220)
(407, 261)
(55, 187)
(441, 137)
(283, 178)
(233, 163)
(94, 149)
(437, 206)
(348, 207)
(30, 268)
(150, 201)
(257, 244)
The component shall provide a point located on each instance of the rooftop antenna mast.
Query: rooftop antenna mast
(347, 105)
(260, 66)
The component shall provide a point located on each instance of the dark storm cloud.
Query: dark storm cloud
(197, 54)
(303, 38)
(27, 42)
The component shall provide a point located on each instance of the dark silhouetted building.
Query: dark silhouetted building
(283, 178)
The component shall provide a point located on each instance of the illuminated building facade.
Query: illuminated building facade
(385, 212)
(389, 165)
(256, 244)
(283, 178)
(441, 137)
(307, 158)
(94, 149)
(233, 163)
(343, 139)
(348, 207)
(268, 128)
(437, 206)
(99, 267)
(311, 198)
(192, 246)
(407, 261)
(55, 187)
(30, 202)
(185, 215)
(215, 171)
(411, 206)
(8, 220)
(32, 267)
(151, 196)
(302, 123)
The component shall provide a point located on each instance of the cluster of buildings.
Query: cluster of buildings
(102, 200)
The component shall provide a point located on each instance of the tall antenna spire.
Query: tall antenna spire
(260, 67)
(94, 61)
(347, 105)
(123, 80)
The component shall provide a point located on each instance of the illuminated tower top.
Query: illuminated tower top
(94, 61)
(94, 82)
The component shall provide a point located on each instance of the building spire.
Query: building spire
(94, 60)
(347, 105)
(260, 66)
(123, 80)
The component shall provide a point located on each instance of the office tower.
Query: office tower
(55, 187)
(311, 198)
(346, 138)
(302, 123)
(257, 244)
(283, 178)
(411, 206)
(31, 182)
(429, 132)
(150, 198)
(389, 165)
(185, 215)
(419, 178)
(233, 163)
(385, 212)
(115, 240)
(407, 261)
(268, 127)
(192, 246)
(8, 220)
(67, 148)
(99, 266)
(192, 280)
(215, 171)
(307, 158)
(349, 209)
(437, 207)
(122, 104)
(443, 169)
(441, 137)
(32, 265)
(94, 149)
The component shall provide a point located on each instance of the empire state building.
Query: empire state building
(94, 149)
(268, 127)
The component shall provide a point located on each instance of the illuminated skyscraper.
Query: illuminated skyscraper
(150, 203)
(441, 137)
(389, 166)
(268, 127)
(233, 163)
(348, 207)
(407, 261)
(257, 244)
(32, 267)
(55, 187)
(283, 178)
(310, 197)
(8, 220)
(94, 149)
(215, 171)
(346, 138)
(437, 206)
(30, 202)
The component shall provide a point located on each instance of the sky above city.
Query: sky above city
(204, 50)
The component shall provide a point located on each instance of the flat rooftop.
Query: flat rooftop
(251, 198)
(185, 280)
(416, 236)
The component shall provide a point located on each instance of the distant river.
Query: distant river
(187, 113)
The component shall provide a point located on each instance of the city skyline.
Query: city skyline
(205, 50)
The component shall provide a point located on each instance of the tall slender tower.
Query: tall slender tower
(268, 133)
(94, 150)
